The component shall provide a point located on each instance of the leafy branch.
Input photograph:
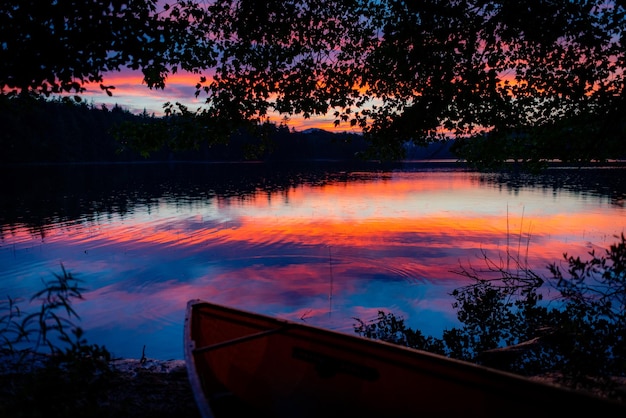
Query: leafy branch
(51, 328)
(578, 338)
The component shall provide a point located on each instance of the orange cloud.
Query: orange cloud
(133, 94)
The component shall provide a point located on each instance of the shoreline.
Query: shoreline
(134, 366)
(137, 388)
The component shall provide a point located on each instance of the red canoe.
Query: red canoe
(245, 364)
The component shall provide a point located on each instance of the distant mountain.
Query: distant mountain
(312, 131)
(323, 131)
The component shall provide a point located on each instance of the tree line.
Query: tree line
(61, 131)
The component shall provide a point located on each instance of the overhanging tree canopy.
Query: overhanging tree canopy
(57, 46)
(523, 80)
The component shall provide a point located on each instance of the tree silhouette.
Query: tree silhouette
(54, 46)
(507, 79)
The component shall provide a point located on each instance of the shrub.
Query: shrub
(580, 337)
(50, 368)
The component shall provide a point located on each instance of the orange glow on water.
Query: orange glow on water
(372, 241)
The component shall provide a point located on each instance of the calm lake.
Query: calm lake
(321, 243)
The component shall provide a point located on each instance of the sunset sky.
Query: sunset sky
(132, 94)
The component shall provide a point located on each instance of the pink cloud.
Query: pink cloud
(132, 94)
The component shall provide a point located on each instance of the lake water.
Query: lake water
(321, 243)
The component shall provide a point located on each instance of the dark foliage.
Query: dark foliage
(580, 338)
(46, 358)
(49, 369)
(510, 81)
(55, 131)
(58, 46)
(35, 130)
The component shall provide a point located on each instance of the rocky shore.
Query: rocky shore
(150, 388)
(134, 388)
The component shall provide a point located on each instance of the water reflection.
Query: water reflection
(321, 244)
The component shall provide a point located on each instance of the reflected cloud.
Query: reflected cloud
(320, 252)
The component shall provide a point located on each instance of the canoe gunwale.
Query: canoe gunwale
(192, 371)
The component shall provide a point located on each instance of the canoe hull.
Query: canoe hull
(283, 368)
